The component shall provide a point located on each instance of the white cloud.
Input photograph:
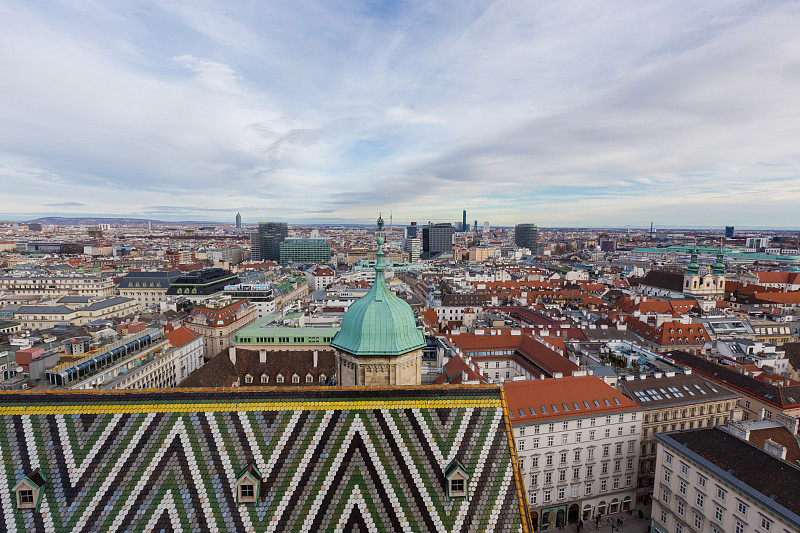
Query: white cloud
(564, 112)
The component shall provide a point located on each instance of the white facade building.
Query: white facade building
(709, 481)
(578, 446)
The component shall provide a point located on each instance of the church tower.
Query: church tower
(379, 343)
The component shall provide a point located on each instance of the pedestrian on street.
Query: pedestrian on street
(580, 525)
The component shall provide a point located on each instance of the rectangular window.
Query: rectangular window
(718, 514)
(563, 457)
(618, 449)
(616, 483)
(589, 470)
(25, 497)
(678, 528)
(535, 443)
(549, 441)
(604, 469)
(548, 477)
(521, 445)
(549, 460)
(535, 462)
(533, 498)
(667, 476)
(577, 455)
(680, 507)
(534, 480)
(665, 496)
(701, 481)
(742, 508)
(628, 480)
(765, 524)
(561, 493)
(577, 437)
(248, 491)
(698, 522)
(562, 475)
(721, 494)
(700, 500)
(684, 469)
(603, 485)
(663, 516)
(456, 485)
(606, 449)
(739, 527)
(576, 473)
(563, 439)
(588, 489)
(547, 495)
(682, 487)
(668, 458)
(617, 465)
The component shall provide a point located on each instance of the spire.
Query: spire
(693, 267)
(718, 268)
(379, 267)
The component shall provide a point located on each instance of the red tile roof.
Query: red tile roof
(567, 397)
(181, 336)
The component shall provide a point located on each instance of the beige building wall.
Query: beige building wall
(377, 370)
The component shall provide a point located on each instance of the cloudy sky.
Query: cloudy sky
(557, 112)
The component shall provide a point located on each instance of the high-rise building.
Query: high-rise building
(464, 221)
(475, 227)
(729, 232)
(305, 251)
(412, 244)
(436, 240)
(265, 244)
(526, 236)
(238, 221)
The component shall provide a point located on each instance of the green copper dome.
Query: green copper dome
(718, 268)
(379, 323)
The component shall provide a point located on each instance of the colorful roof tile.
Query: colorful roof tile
(329, 459)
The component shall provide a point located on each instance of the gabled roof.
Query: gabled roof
(181, 336)
(783, 397)
(329, 457)
(552, 399)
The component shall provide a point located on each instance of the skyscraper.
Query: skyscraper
(238, 221)
(729, 232)
(265, 244)
(526, 236)
(464, 221)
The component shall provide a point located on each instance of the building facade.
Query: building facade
(54, 285)
(217, 320)
(578, 446)
(526, 236)
(148, 288)
(304, 251)
(708, 480)
(673, 402)
(437, 239)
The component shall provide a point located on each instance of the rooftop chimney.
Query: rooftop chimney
(775, 449)
(232, 354)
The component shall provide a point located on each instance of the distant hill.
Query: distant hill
(92, 221)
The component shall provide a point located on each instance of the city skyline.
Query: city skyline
(562, 115)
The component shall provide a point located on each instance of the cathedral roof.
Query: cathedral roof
(328, 459)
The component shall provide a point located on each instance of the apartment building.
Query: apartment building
(217, 320)
(710, 481)
(57, 285)
(578, 447)
(166, 368)
(673, 402)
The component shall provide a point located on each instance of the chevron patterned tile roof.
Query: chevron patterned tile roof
(329, 458)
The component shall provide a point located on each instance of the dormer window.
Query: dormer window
(456, 478)
(248, 485)
(29, 490)
(264, 379)
(248, 378)
(309, 378)
(279, 379)
(295, 379)
(322, 378)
